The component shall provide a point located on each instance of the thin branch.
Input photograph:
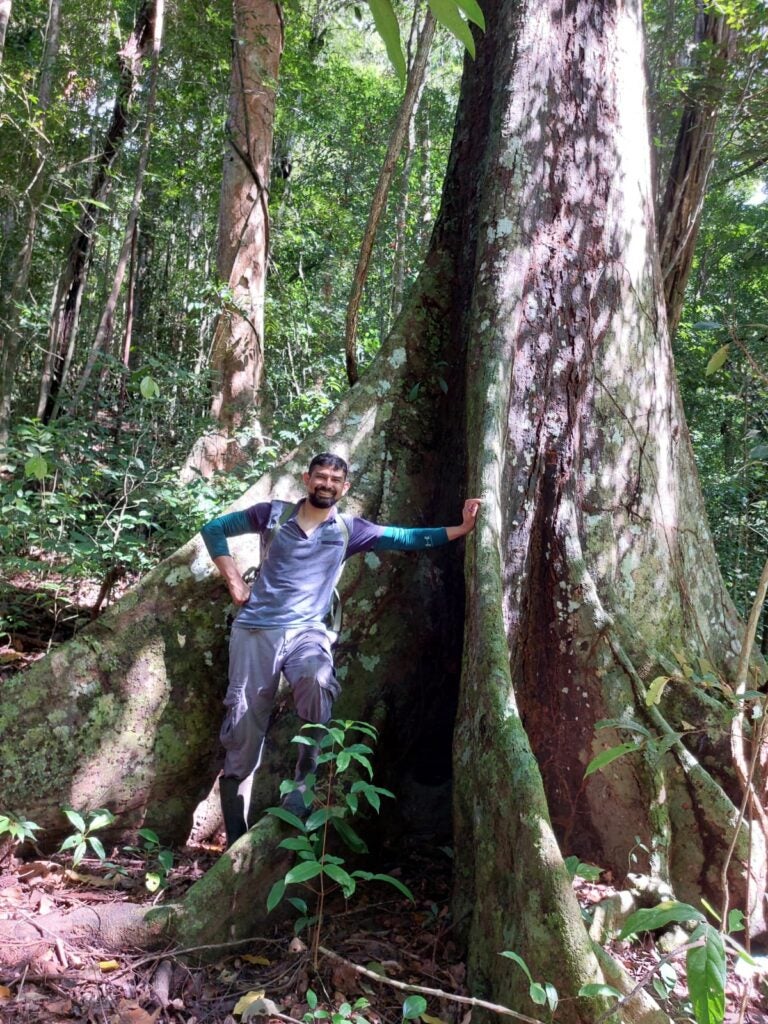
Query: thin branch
(438, 993)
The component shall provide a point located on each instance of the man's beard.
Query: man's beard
(322, 500)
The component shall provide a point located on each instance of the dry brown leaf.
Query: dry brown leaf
(59, 1006)
(36, 870)
(108, 965)
(5, 992)
(251, 959)
(129, 1012)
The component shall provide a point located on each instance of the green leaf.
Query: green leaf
(296, 843)
(620, 723)
(79, 853)
(735, 920)
(472, 10)
(519, 961)
(321, 815)
(344, 879)
(717, 360)
(101, 818)
(413, 1007)
(389, 30)
(376, 877)
(707, 325)
(552, 997)
(275, 894)
(595, 989)
(286, 816)
(150, 835)
(651, 918)
(152, 881)
(606, 756)
(759, 453)
(36, 467)
(311, 999)
(446, 13)
(149, 387)
(303, 872)
(706, 976)
(98, 847)
(538, 993)
(74, 818)
(343, 761)
(350, 837)
(655, 690)
(165, 858)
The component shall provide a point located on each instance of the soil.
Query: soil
(412, 943)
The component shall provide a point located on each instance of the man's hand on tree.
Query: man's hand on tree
(469, 514)
(468, 519)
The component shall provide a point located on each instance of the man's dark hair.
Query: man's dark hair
(329, 459)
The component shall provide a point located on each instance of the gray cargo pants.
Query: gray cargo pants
(256, 659)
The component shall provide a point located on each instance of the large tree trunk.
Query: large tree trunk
(591, 569)
(237, 358)
(72, 280)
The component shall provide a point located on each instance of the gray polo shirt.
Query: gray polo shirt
(298, 574)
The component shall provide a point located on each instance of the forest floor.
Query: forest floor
(395, 942)
(390, 938)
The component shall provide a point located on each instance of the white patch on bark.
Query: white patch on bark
(178, 575)
(398, 357)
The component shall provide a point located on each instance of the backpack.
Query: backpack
(280, 514)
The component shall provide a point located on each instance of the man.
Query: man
(280, 627)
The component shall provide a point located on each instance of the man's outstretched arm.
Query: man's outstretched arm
(401, 538)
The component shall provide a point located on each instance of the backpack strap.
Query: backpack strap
(335, 614)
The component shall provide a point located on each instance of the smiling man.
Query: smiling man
(281, 626)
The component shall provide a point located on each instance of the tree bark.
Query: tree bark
(412, 91)
(679, 216)
(591, 571)
(106, 323)
(5, 17)
(401, 210)
(71, 284)
(12, 297)
(238, 347)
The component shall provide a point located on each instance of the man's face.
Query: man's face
(325, 485)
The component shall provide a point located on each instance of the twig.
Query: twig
(645, 978)
(150, 958)
(467, 1000)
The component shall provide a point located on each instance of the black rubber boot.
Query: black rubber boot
(235, 797)
(306, 764)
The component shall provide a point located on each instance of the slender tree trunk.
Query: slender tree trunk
(5, 17)
(106, 323)
(401, 212)
(412, 91)
(238, 346)
(12, 297)
(71, 284)
(679, 216)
